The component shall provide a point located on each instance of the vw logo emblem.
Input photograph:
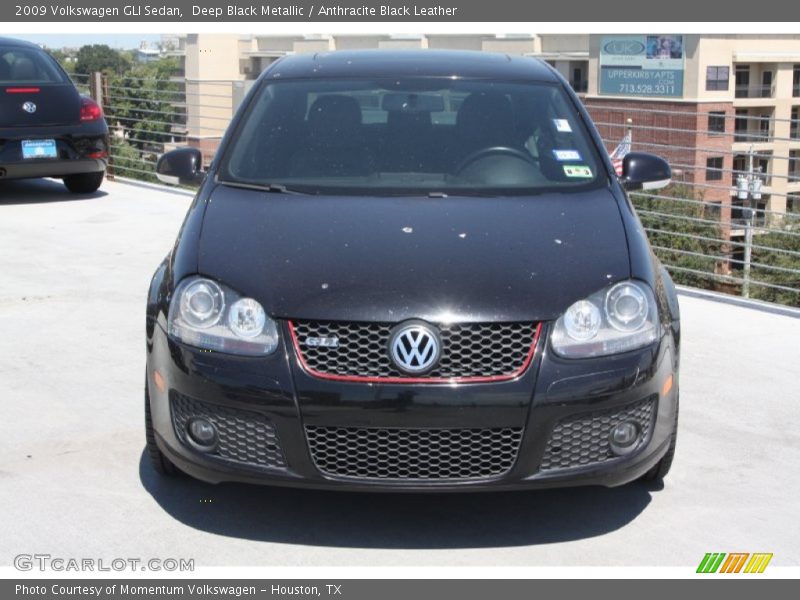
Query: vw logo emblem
(29, 107)
(414, 347)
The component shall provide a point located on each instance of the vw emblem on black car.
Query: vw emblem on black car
(414, 347)
(29, 107)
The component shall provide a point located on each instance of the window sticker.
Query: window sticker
(577, 171)
(562, 125)
(565, 155)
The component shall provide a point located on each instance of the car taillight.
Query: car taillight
(90, 110)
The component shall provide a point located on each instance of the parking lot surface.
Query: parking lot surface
(74, 481)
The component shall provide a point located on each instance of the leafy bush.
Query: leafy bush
(677, 239)
(784, 253)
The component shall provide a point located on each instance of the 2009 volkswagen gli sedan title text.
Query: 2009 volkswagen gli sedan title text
(412, 271)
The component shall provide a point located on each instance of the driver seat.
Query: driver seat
(485, 120)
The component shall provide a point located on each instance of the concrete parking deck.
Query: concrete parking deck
(73, 481)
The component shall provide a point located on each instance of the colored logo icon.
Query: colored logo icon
(734, 562)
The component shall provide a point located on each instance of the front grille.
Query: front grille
(413, 454)
(245, 437)
(583, 440)
(469, 350)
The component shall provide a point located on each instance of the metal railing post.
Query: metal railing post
(96, 87)
(748, 252)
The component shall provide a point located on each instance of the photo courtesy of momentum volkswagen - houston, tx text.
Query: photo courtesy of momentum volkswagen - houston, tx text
(412, 271)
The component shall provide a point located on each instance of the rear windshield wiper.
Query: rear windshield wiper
(272, 188)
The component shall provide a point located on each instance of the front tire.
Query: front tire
(161, 464)
(84, 183)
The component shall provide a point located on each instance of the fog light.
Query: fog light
(202, 433)
(624, 437)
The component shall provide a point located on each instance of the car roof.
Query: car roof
(412, 63)
(7, 41)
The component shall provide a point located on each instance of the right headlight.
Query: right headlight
(617, 319)
(212, 316)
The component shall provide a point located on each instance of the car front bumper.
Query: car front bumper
(562, 410)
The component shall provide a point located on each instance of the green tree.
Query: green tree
(63, 59)
(100, 57)
(142, 102)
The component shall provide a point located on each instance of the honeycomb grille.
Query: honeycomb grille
(584, 439)
(245, 437)
(469, 350)
(413, 454)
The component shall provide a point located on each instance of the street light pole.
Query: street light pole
(748, 187)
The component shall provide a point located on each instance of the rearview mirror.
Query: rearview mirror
(643, 171)
(182, 166)
(412, 103)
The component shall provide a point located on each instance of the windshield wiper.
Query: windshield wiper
(272, 188)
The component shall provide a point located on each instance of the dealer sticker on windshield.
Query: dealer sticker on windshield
(564, 155)
(577, 171)
(562, 125)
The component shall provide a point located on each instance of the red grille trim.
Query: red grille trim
(435, 380)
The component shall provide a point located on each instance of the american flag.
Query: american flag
(619, 153)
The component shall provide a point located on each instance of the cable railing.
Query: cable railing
(704, 235)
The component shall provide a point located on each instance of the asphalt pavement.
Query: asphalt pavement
(74, 273)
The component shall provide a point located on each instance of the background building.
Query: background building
(703, 101)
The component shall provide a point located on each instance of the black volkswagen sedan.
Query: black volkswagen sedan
(412, 271)
(47, 129)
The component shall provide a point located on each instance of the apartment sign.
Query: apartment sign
(642, 65)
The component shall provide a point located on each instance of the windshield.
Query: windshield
(412, 136)
(19, 65)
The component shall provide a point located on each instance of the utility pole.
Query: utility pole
(748, 187)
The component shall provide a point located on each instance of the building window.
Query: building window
(717, 78)
(579, 84)
(766, 84)
(794, 166)
(742, 81)
(716, 122)
(740, 126)
(765, 128)
(796, 81)
(712, 211)
(714, 168)
(794, 127)
(793, 203)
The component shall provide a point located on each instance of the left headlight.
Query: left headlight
(212, 316)
(617, 319)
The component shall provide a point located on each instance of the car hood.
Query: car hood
(386, 259)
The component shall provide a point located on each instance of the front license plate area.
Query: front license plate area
(39, 149)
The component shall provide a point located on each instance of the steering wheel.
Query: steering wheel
(493, 151)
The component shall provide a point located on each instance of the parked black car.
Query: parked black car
(412, 271)
(47, 129)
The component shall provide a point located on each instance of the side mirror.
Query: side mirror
(182, 166)
(643, 171)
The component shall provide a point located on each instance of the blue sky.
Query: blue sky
(115, 40)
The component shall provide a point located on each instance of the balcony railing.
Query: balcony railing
(755, 91)
(754, 136)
